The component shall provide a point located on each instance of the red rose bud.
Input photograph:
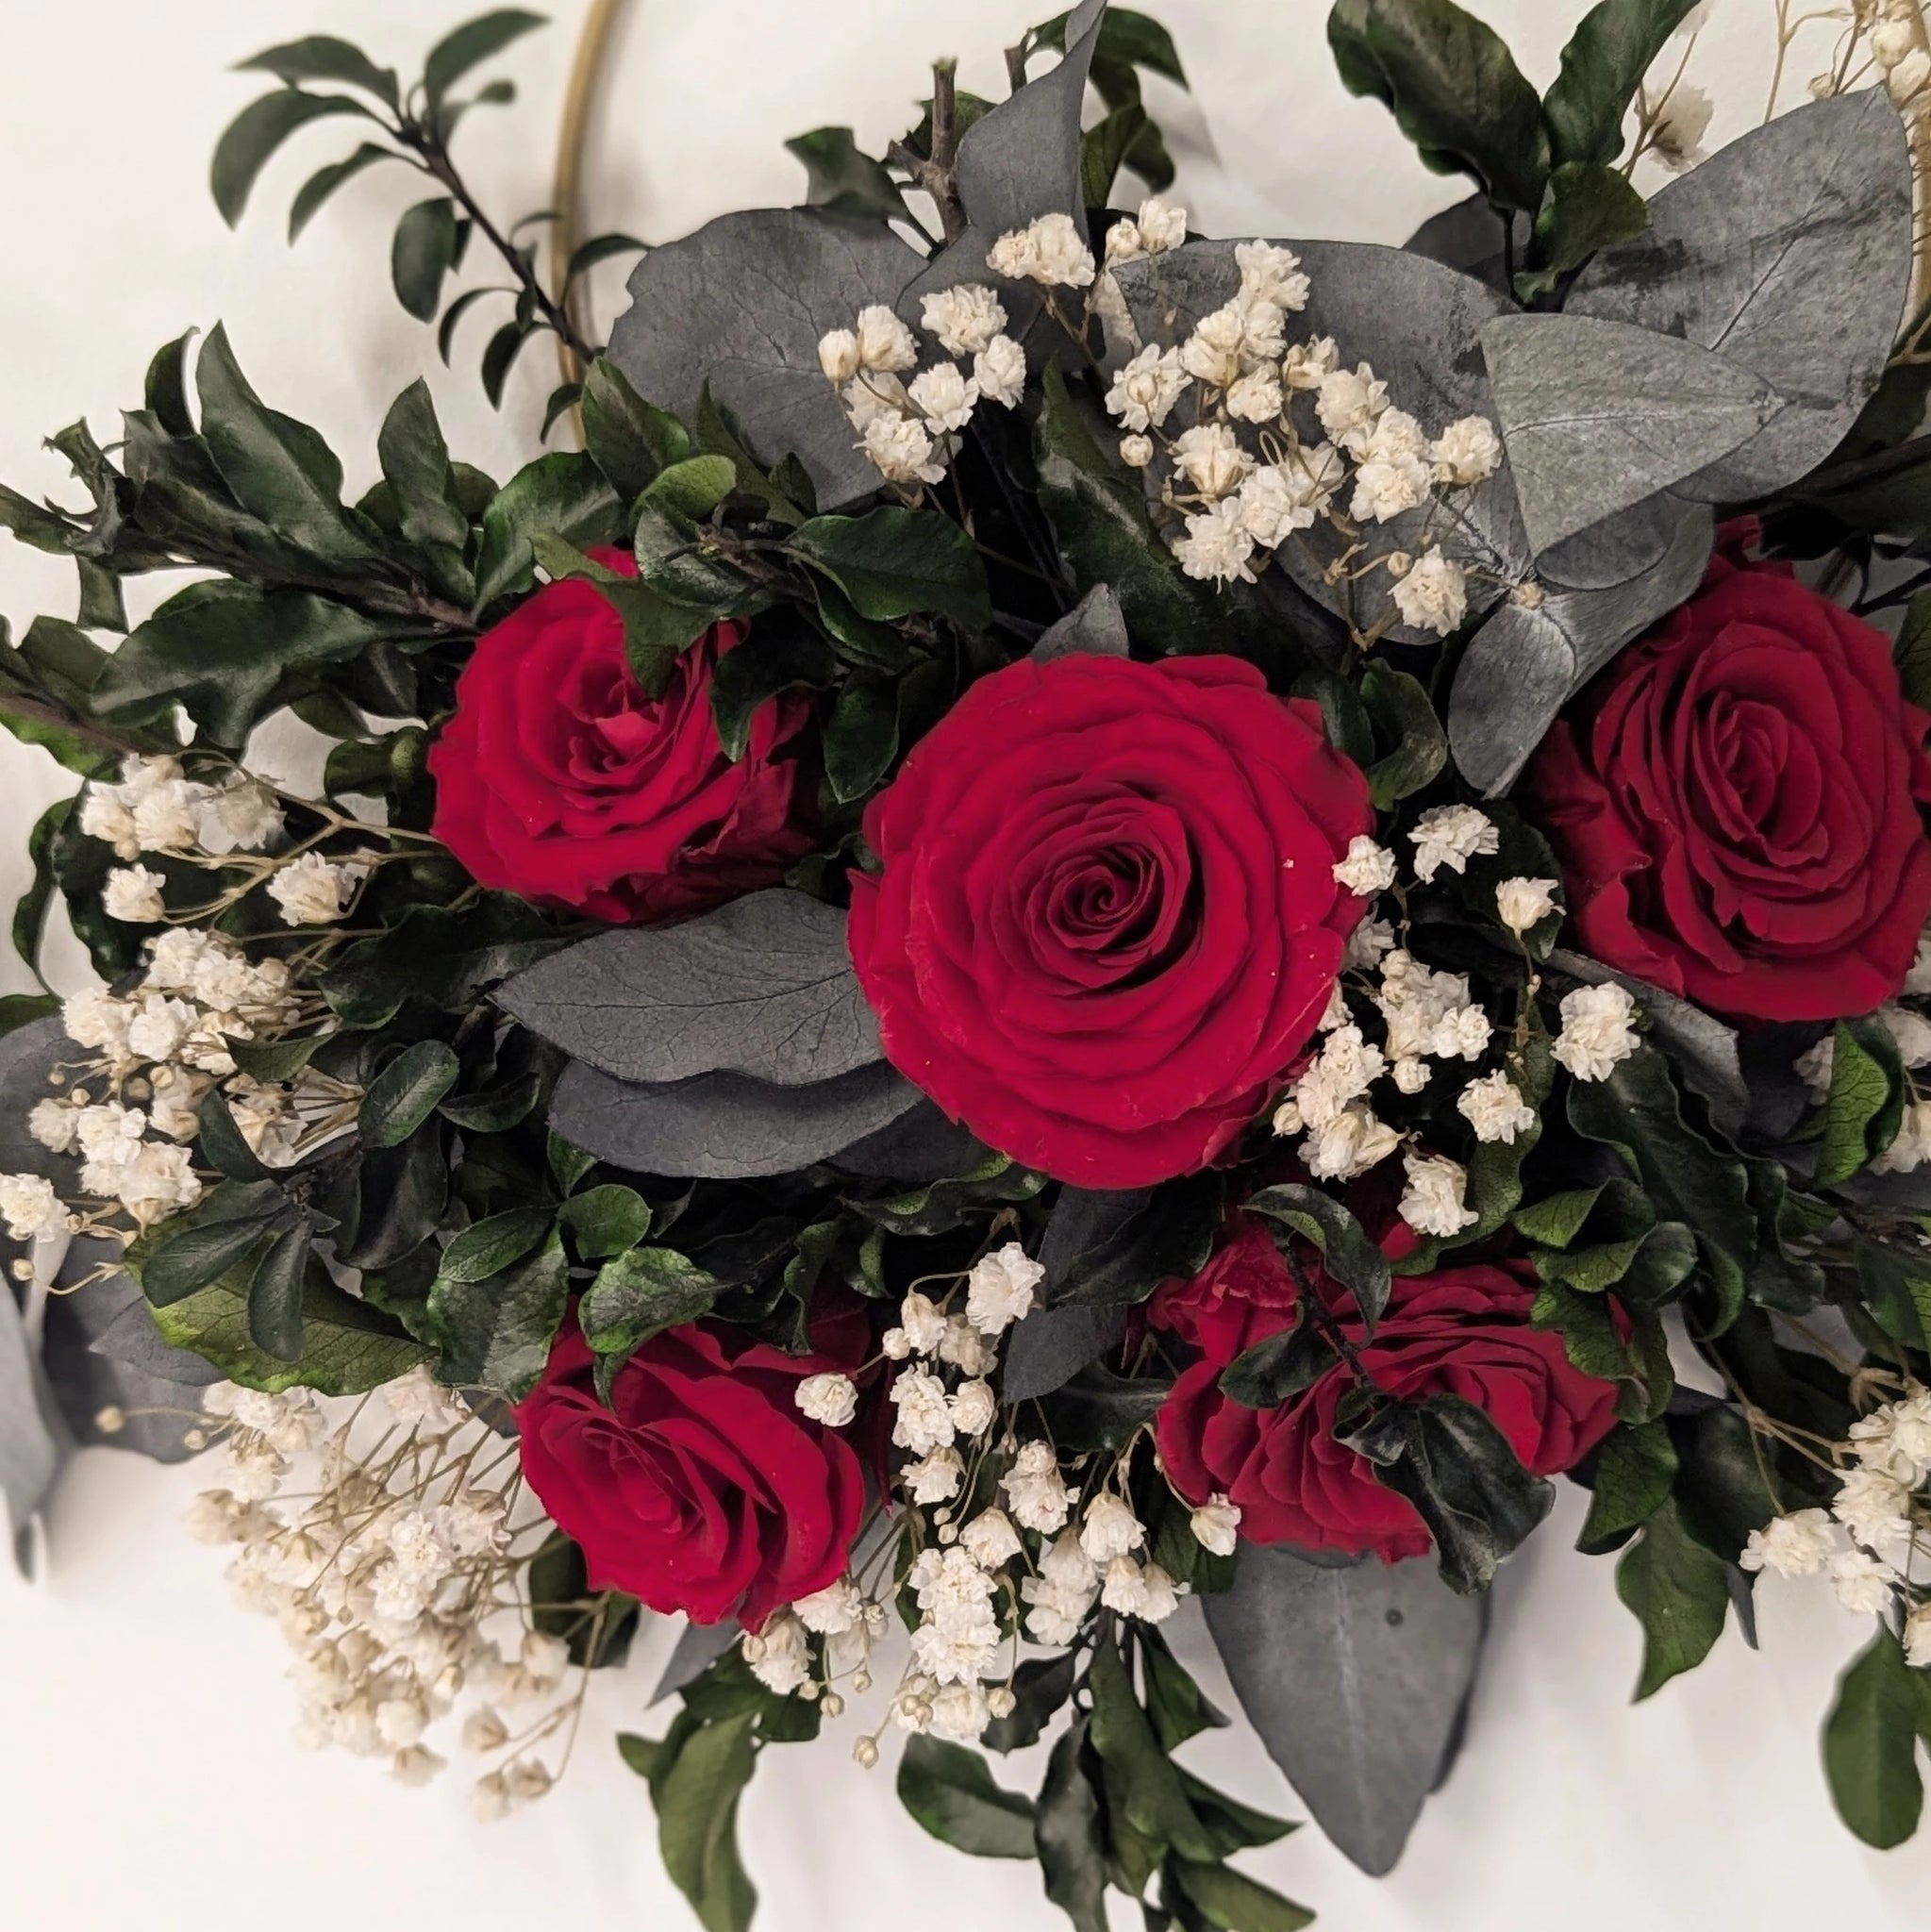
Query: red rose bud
(1108, 919)
(558, 780)
(1463, 1331)
(1736, 804)
(703, 1487)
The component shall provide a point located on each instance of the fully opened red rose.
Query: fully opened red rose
(701, 1488)
(1736, 804)
(1462, 1331)
(1106, 919)
(558, 778)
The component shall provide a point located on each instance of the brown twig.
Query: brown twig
(938, 174)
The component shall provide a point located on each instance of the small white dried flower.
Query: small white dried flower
(1368, 868)
(999, 373)
(999, 1290)
(1216, 1525)
(1597, 1031)
(1523, 903)
(1466, 453)
(1433, 594)
(1494, 1107)
(1451, 835)
(885, 343)
(964, 318)
(1432, 1203)
(831, 1399)
(132, 895)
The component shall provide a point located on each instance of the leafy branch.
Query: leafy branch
(432, 237)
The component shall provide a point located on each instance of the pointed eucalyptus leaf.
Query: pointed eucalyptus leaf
(762, 987)
(740, 306)
(1790, 252)
(1354, 1673)
(1471, 236)
(31, 1444)
(1052, 1346)
(1419, 322)
(723, 1126)
(1015, 164)
(699, 1648)
(920, 1145)
(1526, 661)
(1598, 415)
(1095, 626)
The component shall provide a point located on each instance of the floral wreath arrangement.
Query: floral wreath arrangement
(1086, 917)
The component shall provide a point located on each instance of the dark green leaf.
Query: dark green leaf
(1459, 1469)
(1041, 1686)
(1097, 1411)
(1103, 149)
(196, 1256)
(222, 1144)
(489, 1247)
(1069, 1833)
(1677, 1591)
(596, 1624)
(415, 465)
(1871, 1745)
(1633, 1471)
(1349, 1256)
(1866, 1103)
(422, 253)
(274, 1295)
(1405, 720)
(952, 1794)
(453, 315)
(698, 1799)
(1602, 66)
(469, 46)
(692, 488)
(781, 654)
(439, 955)
(1232, 1902)
(1154, 1800)
(272, 1062)
(1913, 651)
(1174, 1702)
(587, 255)
(1721, 1493)
(1278, 1369)
(842, 178)
(607, 1220)
(641, 1293)
(499, 1109)
(322, 57)
(500, 354)
(565, 495)
(1589, 207)
(255, 133)
(1453, 87)
(405, 1092)
(497, 1332)
(895, 562)
(627, 438)
(568, 1163)
(30, 910)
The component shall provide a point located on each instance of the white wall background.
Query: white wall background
(147, 1776)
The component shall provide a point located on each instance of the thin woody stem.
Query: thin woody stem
(937, 172)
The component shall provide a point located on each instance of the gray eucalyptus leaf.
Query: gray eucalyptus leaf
(699, 1648)
(1707, 1051)
(32, 1444)
(1790, 252)
(1095, 626)
(1014, 164)
(27, 1056)
(741, 304)
(1356, 1676)
(1052, 1346)
(1418, 324)
(1526, 663)
(723, 1126)
(1469, 236)
(1599, 415)
(762, 987)
(920, 1145)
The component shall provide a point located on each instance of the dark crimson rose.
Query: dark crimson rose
(701, 1488)
(1106, 920)
(1463, 1331)
(558, 780)
(1736, 803)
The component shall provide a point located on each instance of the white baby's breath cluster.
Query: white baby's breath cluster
(998, 1539)
(909, 420)
(1255, 440)
(387, 1539)
(128, 1103)
(1872, 1541)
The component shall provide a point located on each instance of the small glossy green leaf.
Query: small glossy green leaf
(470, 46)
(1865, 1106)
(629, 439)
(422, 253)
(895, 562)
(274, 1294)
(1231, 1901)
(1871, 1745)
(1070, 1833)
(951, 1792)
(497, 1332)
(488, 1247)
(640, 1294)
(1406, 721)
(405, 1092)
(1350, 1256)
(1678, 1593)
(254, 136)
(845, 180)
(196, 1256)
(1602, 66)
(692, 488)
(607, 1220)
(1635, 1469)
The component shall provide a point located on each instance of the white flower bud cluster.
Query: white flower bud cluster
(395, 1573)
(1870, 1541)
(129, 1105)
(155, 808)
(910, 430)
(1248, 473)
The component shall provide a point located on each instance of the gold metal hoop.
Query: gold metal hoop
(566, 197)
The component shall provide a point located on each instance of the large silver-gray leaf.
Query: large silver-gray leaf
(1052, 1346)
(1790, 251)
(27, 1056)
(762, 987)
(1526, 663)
(1598, 415)
(101, 1349)
(1419, 322)
(741, 304)
(31, 1444)
(699, 1646)
(1096, 625)
(1469, 236)
(1704, 1049)
(920, 1145)
(723, 1126)
(1355, 1676)
(1014, 164)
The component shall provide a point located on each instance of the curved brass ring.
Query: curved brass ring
(566, 196)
